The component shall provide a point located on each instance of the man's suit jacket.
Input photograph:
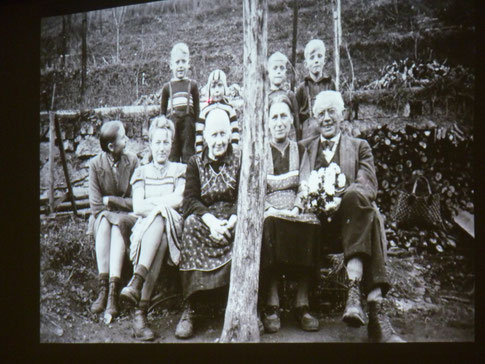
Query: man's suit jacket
(356, 162)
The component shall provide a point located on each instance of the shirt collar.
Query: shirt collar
(325, 77)
(335, 139)
(178, 79)
(111, 161)
(274, 88)
(223, 101)
(278, 147)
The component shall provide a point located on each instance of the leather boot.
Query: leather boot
(99, 304)
(112, 307)
(131, 293)
(185, 327)
(140, 324)
(354, 315)
(380, 329)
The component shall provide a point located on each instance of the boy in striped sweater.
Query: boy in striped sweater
(217, 90)
(180, 103)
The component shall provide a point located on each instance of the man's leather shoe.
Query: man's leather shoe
(271, 319)
(380, 329)
(306, 320)
(185, 327)
(354, 315)
(140, 326)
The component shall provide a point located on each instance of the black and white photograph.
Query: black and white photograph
(258, 171)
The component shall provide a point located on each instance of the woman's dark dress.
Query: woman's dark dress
(292, 242)
(211, 186)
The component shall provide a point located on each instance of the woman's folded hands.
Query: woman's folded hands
(220, 229)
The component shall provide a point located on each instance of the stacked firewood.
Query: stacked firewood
(443, 156)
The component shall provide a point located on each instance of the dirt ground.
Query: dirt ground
(432, 298)
(413, 327)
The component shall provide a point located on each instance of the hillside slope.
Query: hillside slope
(376, 33)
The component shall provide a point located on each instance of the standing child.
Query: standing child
(315, 82)
(277, 77)
(217, 90)
(180, 103)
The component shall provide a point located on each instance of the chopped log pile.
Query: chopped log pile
(443, 154)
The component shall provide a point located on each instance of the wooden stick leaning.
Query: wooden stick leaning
(52, 115)
(64, 165)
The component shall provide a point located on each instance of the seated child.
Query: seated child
(277, 77)
(180, 103)
(217, 90)
(313, 84)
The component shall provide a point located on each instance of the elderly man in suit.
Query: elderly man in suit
(357, 220)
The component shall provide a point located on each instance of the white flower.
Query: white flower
(330, 176)
(313, 182)
(329, 188)
(337, 200)
(331, 205)
(314, 203)
(334, 167)
(321, 172)
(341, 180)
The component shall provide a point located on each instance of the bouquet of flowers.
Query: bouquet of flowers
(320, 194)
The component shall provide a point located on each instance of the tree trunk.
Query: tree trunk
(52, 137)
(240, 322)
(336, 55)
(64, 42)
(117, 44)
(84, 57)
(295, 32)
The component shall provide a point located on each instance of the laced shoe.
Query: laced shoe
(141, 330)
(112, 306)
(380, 329)
(99, 304)
(354, 315)
(132, 292)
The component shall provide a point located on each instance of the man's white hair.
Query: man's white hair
(329, 97)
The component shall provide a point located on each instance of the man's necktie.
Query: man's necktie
(327, 144)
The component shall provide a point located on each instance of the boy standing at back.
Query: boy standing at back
(180, 103)
(315, 82)
(277, 77)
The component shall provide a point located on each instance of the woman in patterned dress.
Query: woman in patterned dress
(157, 195)
(110, 222)
(210, 206)
(290, 237)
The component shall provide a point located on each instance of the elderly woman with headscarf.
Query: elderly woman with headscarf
(210, 206)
